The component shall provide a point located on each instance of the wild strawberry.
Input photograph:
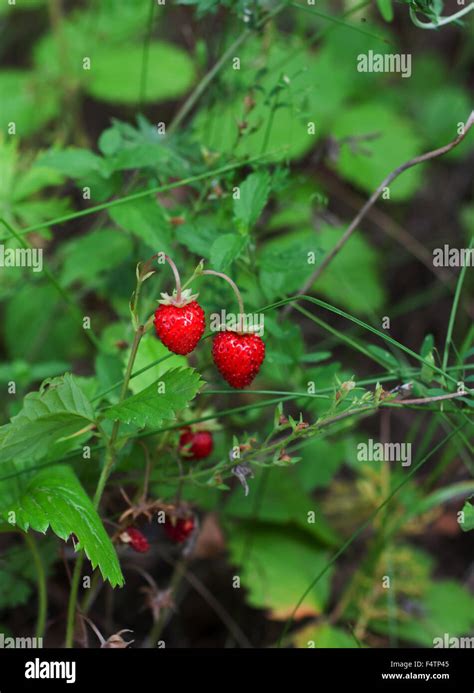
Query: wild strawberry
(238, 357)
(136, 539)
(180, 530)
(196, 445)
(180, 323)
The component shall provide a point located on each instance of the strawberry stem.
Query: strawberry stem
(176, 277)
(234, 288)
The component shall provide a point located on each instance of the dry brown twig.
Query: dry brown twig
(371, 201)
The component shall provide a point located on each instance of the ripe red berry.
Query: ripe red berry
(137, 540)
(180, 530)
(180, 327)
(196, 445)
(238, 357)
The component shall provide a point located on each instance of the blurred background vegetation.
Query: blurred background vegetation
(99, 96)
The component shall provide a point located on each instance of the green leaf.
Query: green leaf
(283, 500)
(353, 280)
(53, 331)
(27, 101)
(116, 73)
(226, 249)
(18, 571)
(89, 256)
(57, 410)
(55, 498)
(159, 402)
(73, 162)
(386, 9)
(198, 235)
(467, 523)
(279, 564)
(150, 350)
(254, 193)
(366, 162)
(426, 352)
(321, 460)
(384, 357)
(323, 636)
(146, 219)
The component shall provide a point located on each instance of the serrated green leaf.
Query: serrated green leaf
(58, 410)
(159, 402)
(55, 498)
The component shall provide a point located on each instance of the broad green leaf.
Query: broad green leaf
(116, 73)
(323, 636)
(159, 402)
(152, 349)
(146, 219)
(467, 516)
(199, 234)
(58, 410)
(27, 101)
(380, 140)
(321, 460)
(37, 321)
(89, 256)
(352, 281)
(73, 162)
(254, 192)
(278, 566)
(20, 181)
(55, 498)
(283, 500)
(226, 249)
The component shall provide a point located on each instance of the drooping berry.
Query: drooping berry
(196, 445)
(135, 539)
(179, 529)
(238, 357)
(180, 324)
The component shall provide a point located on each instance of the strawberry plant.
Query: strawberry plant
(235, 381)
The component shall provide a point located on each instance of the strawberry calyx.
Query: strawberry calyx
(184, 297)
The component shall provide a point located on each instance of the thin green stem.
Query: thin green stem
(209, 76)
(41, 583)
(454, 309)
(106, 470)
(143, 193)
(441, 21)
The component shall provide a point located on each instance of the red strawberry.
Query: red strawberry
(180, 325)
(180, 530)
(238, 357)
(136, 539)
(196, 445)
